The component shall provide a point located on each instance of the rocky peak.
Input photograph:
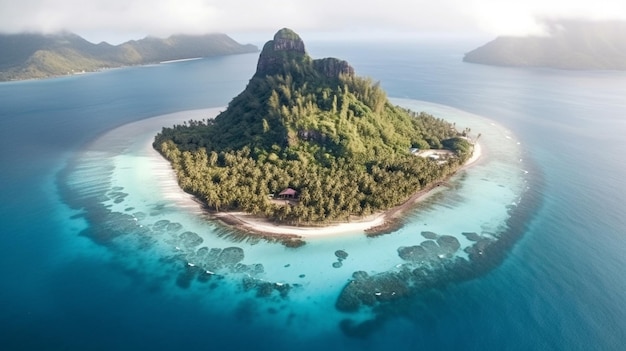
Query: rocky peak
(286, 47)
(286, 54)
(287, 40)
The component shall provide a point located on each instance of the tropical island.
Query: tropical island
(310, 143)
(568, 44)
(36, 56)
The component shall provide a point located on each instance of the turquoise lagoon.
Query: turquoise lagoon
(129, 197)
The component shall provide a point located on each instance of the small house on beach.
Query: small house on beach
(288, 194)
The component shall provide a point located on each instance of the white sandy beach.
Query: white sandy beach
(476, 155)
(171, 190)
(160, 168)
(259, 224)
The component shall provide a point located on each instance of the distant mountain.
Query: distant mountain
(28, 56)
(570, 44)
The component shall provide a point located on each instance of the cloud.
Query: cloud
(136, 18)
(527, 17)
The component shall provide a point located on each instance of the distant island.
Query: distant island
(569, 44)
(310, 143)
(34, 56)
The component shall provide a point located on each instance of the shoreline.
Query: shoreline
(372, 225)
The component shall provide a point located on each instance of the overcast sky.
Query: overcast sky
(120, 20)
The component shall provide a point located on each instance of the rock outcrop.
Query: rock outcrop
(332, 67)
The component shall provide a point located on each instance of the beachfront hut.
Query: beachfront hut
(288, 194)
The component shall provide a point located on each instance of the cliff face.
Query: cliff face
(287, 40)
(286, 54)
(279, 54)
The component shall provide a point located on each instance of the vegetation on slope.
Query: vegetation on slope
(313, 126)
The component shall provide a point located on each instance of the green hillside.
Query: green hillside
(313, 126)
(29, 56)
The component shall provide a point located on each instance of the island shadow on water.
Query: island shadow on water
(89, 185)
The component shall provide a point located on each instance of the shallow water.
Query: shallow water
(130, 200)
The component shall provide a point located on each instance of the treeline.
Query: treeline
(336, 190)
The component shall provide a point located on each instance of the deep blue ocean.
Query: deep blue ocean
(560, 285)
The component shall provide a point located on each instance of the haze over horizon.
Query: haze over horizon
(116, 21)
